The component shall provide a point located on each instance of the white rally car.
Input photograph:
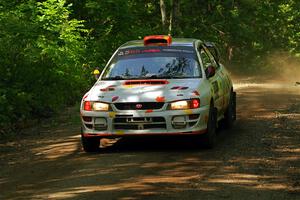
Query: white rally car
(159, 86)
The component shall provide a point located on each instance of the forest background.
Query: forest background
(48, 48)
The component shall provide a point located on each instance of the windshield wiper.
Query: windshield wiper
(151, 77)
(159, 77)
(170, 77)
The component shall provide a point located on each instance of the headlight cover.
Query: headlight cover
(185, 104)
(95, 106)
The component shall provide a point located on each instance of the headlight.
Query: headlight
(185, 104)
(179, 105)
(98, 106)
(95, 106)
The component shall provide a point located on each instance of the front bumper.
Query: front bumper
(141, 122)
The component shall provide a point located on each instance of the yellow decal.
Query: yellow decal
(112, 114)
(120, 132)
(128, 86)
(219, 85)
(188, 112)
(224, 101)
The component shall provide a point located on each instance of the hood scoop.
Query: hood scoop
(146, 82)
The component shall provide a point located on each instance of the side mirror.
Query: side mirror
(96, 73)
(210, 71)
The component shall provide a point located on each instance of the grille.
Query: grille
(139, 123)
(139, 106)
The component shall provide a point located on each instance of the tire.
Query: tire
(90, 144)
(209, 139)
(230, 114)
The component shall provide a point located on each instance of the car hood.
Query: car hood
(144, 90)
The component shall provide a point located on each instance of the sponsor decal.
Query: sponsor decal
(160, 99)
(137, 51)
(215, 85)
(188, 112)
(143, 50)
(109, 88)
(179, 88)
(114, 98)
(177, 50)
(196, 93)
(151, 51)
(85, 96)
(120, 132)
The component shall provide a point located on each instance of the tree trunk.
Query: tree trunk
(171, 19)
(230, 52)
(174, 15)
(163, 15)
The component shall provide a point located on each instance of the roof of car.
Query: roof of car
(188, 42)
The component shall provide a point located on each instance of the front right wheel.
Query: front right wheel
(230, 114)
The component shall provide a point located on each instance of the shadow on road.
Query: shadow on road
(258, 158)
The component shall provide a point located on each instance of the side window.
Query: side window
(213, 61)
(205, 58)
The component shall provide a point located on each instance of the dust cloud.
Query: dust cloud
(283, 67)
(278, 70)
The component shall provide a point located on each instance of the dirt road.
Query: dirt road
(258, 159)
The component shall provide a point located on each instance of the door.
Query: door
(215, 81)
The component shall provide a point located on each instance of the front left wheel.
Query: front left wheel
(210, 137)
(90, 144)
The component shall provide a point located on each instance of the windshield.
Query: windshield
(153, 64)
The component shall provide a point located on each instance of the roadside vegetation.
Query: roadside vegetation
(48, 48)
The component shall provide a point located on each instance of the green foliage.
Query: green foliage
(60, 36)
(41, 57)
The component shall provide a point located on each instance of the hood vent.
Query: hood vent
(146, 82)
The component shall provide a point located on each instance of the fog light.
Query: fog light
(87, 119)
(179, 122)
(100, 124)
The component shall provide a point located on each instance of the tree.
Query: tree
(40, 52)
